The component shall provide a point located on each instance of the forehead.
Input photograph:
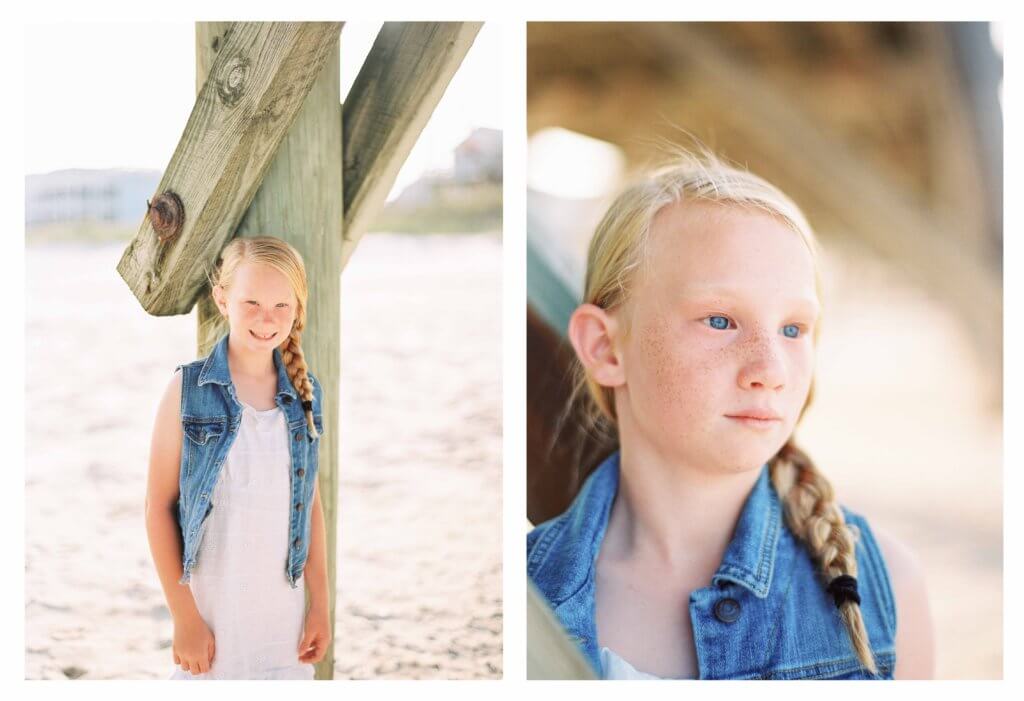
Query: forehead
(255, 280)
(703, 247)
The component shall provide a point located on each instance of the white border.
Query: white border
(514, 360)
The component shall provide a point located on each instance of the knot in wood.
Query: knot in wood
(232, 79)
(167, 215)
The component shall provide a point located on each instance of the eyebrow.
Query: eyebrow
(806, 303)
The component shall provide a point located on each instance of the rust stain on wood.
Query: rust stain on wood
(167, 215)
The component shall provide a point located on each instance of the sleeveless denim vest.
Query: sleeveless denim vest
(766, 614)
(210, 418)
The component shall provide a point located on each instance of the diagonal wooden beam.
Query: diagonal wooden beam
(400, 83)
(256, 87)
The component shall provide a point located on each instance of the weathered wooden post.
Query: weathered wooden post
(300, 201)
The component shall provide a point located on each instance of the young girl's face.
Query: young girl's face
(721, 319)
(260, 306)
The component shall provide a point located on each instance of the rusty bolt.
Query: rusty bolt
(167, 215)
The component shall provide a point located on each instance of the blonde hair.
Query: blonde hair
(281, 256)
(619, 248)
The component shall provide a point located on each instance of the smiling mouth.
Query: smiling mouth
(262, 338)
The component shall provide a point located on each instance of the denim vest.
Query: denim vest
(210, 417)
(766, 614)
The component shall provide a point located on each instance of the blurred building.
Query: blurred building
(478, 157)
(114, 196)
(463, 198)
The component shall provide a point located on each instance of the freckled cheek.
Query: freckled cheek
(670, 373)
(802, 373)
(244, 312)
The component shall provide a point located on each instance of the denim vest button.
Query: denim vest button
(297, 542)
(727, 610)
(300, 472)
(298, 436)
(298, 507)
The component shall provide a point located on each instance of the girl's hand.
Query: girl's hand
(316, 636)
(193, 645)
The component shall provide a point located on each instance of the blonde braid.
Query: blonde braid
(295, 365)
(814, 517)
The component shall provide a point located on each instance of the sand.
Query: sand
(419, 547)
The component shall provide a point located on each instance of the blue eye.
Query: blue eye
(716, 321)
(791, 330)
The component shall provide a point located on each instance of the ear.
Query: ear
(592, 332)
(220, 300)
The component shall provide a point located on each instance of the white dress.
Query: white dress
(239, 581)
(616, 667)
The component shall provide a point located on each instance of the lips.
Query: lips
(756, 418)
(762, 414)
(262, 338)
(755, 424)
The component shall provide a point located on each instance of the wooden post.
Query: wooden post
(299, 200)
(397, 88)
(549, 652)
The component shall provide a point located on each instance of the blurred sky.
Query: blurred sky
(118, 95)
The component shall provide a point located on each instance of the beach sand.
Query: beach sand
(419, 529)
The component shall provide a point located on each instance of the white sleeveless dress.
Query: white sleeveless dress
(239, 582)
(616, 667)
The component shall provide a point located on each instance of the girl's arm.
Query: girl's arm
(915, 638)
(315, 570)
(162, 490)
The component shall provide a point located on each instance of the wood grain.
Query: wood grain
(257, 82)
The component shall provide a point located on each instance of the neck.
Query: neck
(242, 362)
(671, 511)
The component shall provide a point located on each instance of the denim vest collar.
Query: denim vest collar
(216, 369)
(749, 560)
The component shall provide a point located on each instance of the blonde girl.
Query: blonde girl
(233, 510)
(710, 545)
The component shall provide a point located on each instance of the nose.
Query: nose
(763, 367)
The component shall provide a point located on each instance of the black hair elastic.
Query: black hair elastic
(844, 588)
(307, 404)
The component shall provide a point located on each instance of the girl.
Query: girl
(710, 545)
(232, 502)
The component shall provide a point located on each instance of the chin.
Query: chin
(739, 461)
